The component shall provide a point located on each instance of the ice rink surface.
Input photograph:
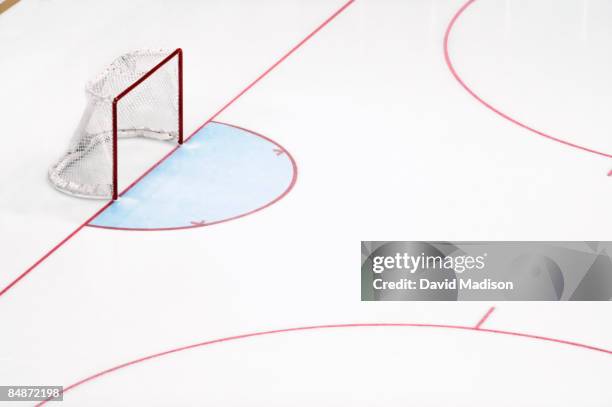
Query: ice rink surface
(390, 145)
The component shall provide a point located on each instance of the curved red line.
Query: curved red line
(491, 107)
(275, 200)
(332, 326)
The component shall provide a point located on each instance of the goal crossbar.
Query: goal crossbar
(176, 53)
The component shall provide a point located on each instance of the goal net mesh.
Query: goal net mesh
(150, 110)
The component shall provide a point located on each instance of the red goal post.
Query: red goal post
(178, 53)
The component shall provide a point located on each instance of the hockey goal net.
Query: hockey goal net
(138, 95)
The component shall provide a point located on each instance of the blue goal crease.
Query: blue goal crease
(222, 172)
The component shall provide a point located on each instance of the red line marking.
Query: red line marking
(277, 63)
(50, 252)
(484, 318)
(491, 107)
(228, 104)
(278, 151)
(281, 196)
(321, 327)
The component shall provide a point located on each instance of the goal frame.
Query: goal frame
(178, 53)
